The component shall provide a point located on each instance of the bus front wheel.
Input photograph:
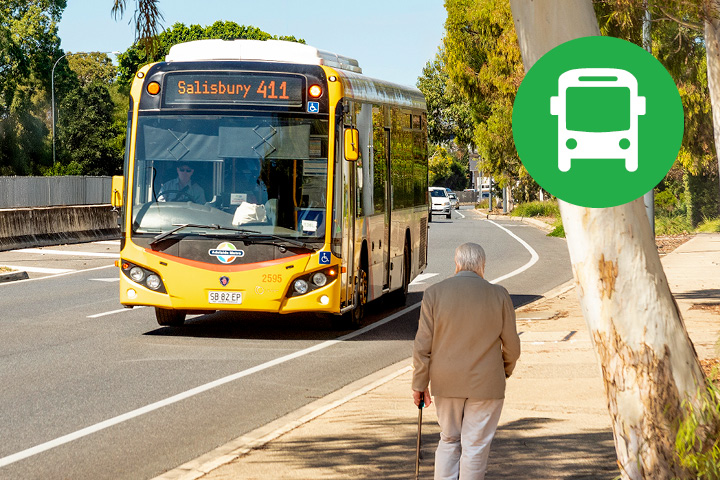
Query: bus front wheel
(353, 319)
(170, 318)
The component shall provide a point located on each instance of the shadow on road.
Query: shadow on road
(269, 326)
(272, 326)
(706, 294)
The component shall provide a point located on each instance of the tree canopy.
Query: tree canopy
(28, 46)
(137, 55)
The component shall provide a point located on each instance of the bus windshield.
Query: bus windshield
(266, 173)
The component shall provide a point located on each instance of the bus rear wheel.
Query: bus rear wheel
(399, 297)
(168, 317)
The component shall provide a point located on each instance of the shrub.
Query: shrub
(697, 443)
(672, 225)
(536, 209)
(665, 202)
(710, 225)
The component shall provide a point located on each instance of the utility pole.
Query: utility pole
(648, 198)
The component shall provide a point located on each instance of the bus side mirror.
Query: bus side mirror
(116, 195)
(352, 146)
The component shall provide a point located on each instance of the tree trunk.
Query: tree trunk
(648, 363)
(712, 46)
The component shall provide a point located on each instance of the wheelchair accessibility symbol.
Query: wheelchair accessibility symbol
(324, 258)
(313, 107)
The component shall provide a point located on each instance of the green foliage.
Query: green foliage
(698, 439)
(709, 226)
(28, 47)
(137, 55)
(678, 43)
(92, 67)
(449, 115)
(665, 203)
(483, 60)
(446, 169)
(700, 196)
(87, 133)
(559, 230)
(672, 225)
(537, 209)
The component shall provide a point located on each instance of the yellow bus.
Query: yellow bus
(269, 176)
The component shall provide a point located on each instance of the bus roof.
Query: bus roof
(360, 87)
(264, 50)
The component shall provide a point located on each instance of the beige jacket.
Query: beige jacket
(467, 341)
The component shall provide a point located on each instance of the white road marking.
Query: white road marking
(230, 378)
(458, 212)
(109, 280)
(422, 277)
(534, 257)
(192, 392)
(108, 242)
(120, 310)
(41, 251)
(55, 276)
(38, 269)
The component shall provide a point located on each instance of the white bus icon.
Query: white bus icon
(597, 110)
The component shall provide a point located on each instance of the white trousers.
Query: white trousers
(467, 428)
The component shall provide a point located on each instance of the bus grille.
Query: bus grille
(423, 241)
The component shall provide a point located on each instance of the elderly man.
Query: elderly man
(466, 346)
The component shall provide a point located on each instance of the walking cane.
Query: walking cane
(417, 452)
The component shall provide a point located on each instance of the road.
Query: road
(92, 391)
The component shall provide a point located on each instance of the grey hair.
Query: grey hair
(470, 256)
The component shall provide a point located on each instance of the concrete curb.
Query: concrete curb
(13, 276)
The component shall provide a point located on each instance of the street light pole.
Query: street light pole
(52, 89)
(52, 95)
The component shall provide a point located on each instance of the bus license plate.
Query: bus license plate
(228, 298)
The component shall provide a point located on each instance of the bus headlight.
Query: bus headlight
(153, 282)
(143, 276)
(301, 286)
(137, 274)
(319, 279)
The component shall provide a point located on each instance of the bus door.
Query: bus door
(344, 208)
(388, 209)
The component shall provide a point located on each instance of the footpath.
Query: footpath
(554, 423)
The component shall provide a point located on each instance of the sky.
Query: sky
(391, 39)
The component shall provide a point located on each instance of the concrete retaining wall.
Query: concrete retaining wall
(34, 227)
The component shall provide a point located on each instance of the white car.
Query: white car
(454, 201)
(439, 202)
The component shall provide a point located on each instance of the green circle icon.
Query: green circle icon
(598, 122)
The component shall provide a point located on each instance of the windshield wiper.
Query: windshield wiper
(179, 227)
(246, 235)
(250, 237)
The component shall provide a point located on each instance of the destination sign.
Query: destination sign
(233, 89)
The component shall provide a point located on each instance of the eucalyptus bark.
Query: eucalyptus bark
(649, 365)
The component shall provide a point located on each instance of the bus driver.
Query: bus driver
(182, 189)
